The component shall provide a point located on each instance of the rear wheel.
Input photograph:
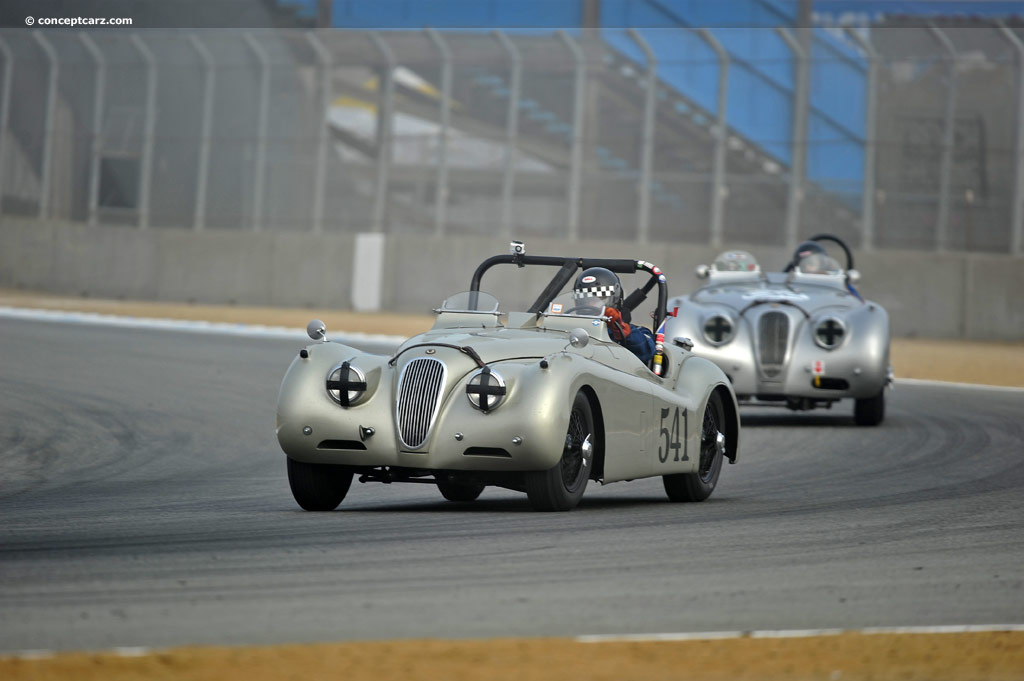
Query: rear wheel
(870, 411)
(560, 488)
(699, 486)
(456, 491)
(318, 486)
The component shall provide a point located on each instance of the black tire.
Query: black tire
(561, 487)
(318, 486)
(460, 491)
(698, 486)
(870, 411)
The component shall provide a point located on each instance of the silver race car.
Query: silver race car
(802, 337)
(540, 401)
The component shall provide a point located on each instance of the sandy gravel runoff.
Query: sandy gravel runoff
(849, 656)
(981, 656)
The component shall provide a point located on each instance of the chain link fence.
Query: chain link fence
(566, 135)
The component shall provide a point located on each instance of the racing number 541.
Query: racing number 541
(670, 436)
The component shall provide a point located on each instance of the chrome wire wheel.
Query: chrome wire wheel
(698, 485)
(712, 446)
(577, 451)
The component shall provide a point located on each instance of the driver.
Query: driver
(603, 287)
(811, 258)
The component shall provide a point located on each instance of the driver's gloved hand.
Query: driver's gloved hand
(617, 329)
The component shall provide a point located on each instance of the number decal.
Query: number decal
(670, 436)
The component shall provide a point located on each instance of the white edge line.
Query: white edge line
(253, 330)
(141, 651)
(45, 654)
(794, 633)
(951, 384)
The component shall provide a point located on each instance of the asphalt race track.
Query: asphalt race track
(143, 502)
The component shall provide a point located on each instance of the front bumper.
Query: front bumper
(851, 371)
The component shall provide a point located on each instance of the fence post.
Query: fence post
(386, 90)
(867, 201)
(946, 169)
(205, 133)
(149, 130)
(643, 217)
(5, 104)
(48, 123)
(323, 135)
(511, 131)
(261, 132)
(799, 150)
(96, 147)
(1017, 236)
(576, 158)
(441, 184)
(721, 137)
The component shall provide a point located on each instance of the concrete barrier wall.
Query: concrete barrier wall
(928, 295)
(177, 265)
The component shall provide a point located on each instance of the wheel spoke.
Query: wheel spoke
(708, 444)
(572, 457)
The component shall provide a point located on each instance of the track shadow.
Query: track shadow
(515, 505)
(789, 418)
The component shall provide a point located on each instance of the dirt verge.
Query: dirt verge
(981, 656)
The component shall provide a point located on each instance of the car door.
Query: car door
(627, 408)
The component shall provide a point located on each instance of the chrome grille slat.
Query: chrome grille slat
(419, 397)
(772, 342)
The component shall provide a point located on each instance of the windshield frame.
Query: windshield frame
(473, 298)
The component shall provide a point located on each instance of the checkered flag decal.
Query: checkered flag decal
(594, 292)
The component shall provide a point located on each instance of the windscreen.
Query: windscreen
(471, 301)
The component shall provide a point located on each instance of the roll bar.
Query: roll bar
(569, 266)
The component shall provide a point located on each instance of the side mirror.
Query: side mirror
(316, 330)
(684, 343)
(579, 338)
(703, 271)
(853, 276)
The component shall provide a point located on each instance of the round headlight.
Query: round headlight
(486, 389)
(718, 329)
(829, 333)
(346, 384)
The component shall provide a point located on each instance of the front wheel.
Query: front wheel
(560, 488)
(318, 486)
(870, 411)
(699, 486)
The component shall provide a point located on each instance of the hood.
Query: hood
(808, 297)
(495, 344)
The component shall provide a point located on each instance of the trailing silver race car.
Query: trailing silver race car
(802, 337)
(538, 401)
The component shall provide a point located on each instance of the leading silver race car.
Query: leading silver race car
(538, 401)
(802, 337)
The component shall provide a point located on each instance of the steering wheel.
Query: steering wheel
(599, 311)
(834, 239)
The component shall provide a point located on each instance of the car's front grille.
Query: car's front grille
(419, 396)
(772, 341)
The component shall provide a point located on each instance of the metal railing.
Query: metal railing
(560, 135)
